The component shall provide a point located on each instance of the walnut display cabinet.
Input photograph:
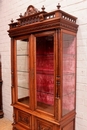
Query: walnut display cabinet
(43, 70)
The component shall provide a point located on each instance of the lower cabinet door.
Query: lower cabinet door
(23, 120)
(43, 125)
(26, 121)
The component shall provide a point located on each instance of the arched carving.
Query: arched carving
(31, 10)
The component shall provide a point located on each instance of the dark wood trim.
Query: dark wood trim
(1, 107)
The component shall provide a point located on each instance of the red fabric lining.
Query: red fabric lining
(45, 71)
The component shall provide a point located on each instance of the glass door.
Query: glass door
(45, 73)
(22, 71)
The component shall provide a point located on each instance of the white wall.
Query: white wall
(11, 9)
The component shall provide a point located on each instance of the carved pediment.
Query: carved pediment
(31, 10)
(57, 18)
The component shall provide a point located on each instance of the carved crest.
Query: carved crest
(31, 10)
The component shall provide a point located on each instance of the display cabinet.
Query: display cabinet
(43, 70)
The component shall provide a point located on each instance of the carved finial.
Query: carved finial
(43, 8)
(58, 6)
(12, 20)
(20, 15)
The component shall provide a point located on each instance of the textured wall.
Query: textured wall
(11, 9)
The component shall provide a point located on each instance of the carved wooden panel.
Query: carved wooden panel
(24, 118)
(43, 125)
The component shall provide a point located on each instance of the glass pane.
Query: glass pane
(22, 71)
(45, 73)
(68, 103)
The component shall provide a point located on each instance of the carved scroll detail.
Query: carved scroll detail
(31, 10)
(14, 117)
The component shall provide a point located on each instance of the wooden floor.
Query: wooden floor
(5, 124)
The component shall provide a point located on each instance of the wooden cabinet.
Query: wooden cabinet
(43, 70)
(1, 110)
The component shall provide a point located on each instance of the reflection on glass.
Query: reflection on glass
(45, 73)
(22, 71)
(68, 102)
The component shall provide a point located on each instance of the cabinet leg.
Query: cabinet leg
(1, 114)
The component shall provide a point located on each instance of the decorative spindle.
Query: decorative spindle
(43, 8)
(58, 6)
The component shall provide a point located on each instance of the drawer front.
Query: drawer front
(23, 119)
(43, 125)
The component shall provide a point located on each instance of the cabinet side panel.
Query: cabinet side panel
(69, 73)
(70, 126)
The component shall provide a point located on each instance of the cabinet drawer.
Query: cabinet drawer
(23, 119)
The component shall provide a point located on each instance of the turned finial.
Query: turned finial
(58, 6)
(20, 15)
(12, 20)
(43, 8)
